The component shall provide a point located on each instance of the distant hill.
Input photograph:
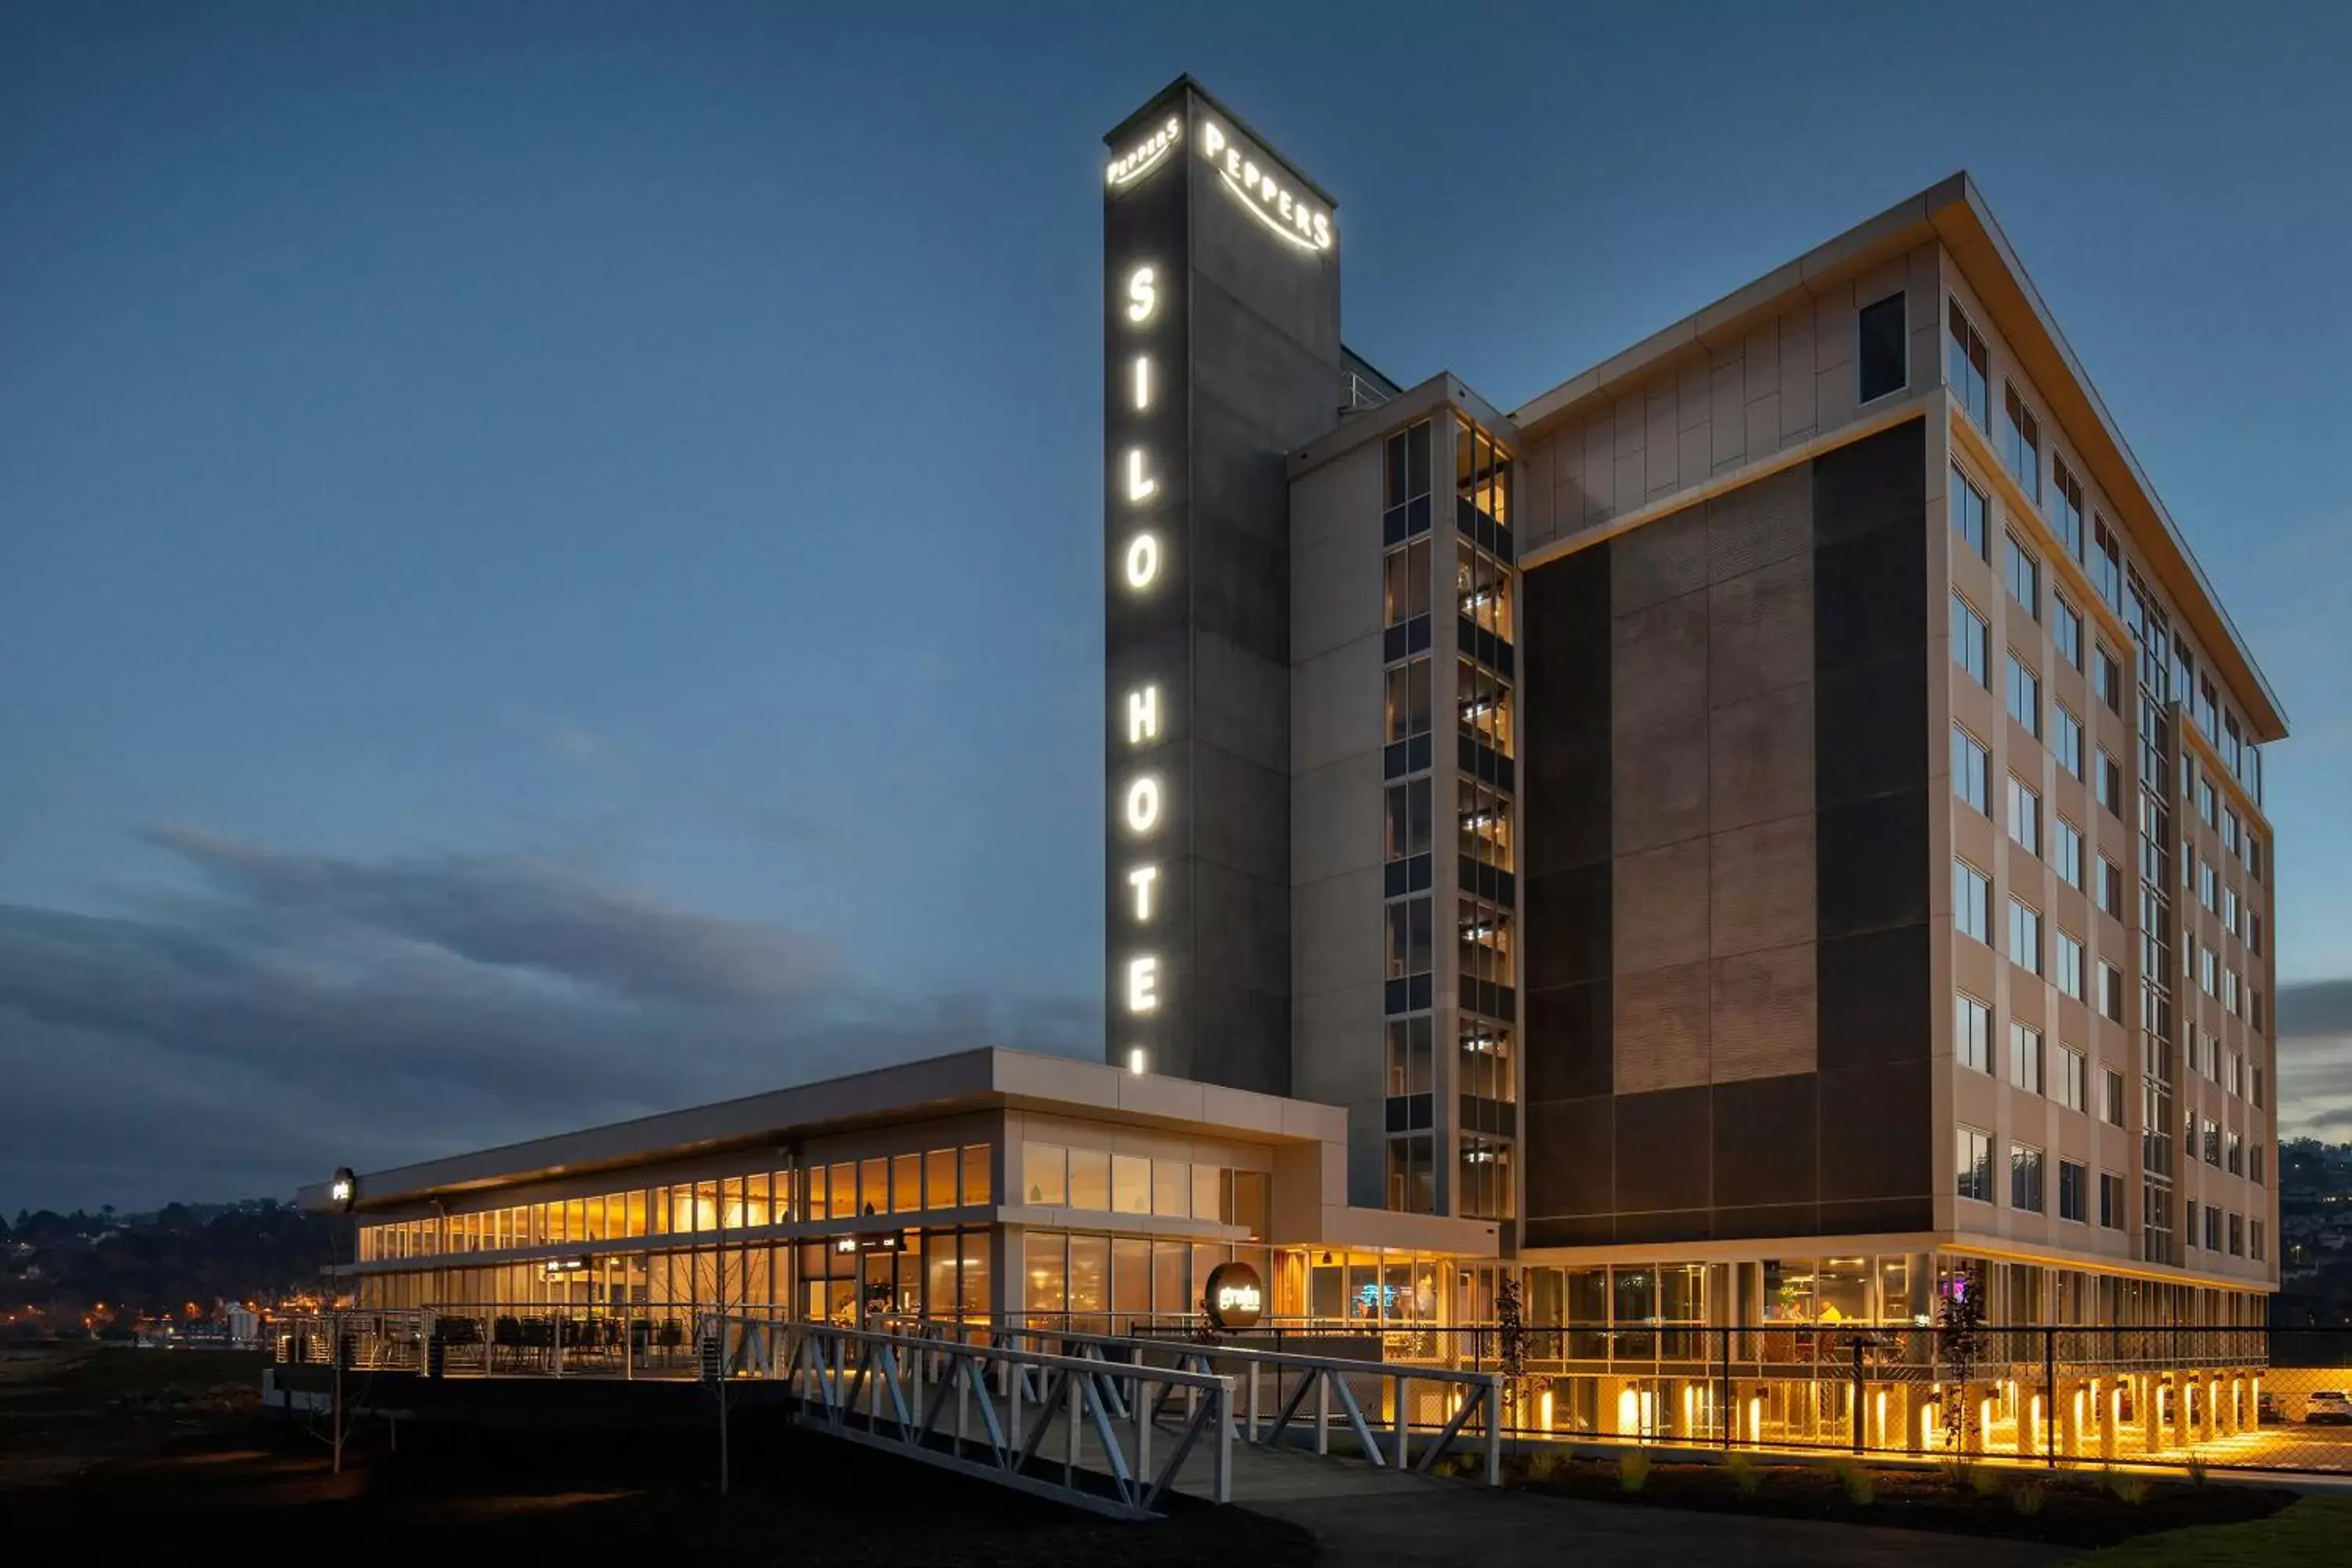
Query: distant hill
(67, 1265)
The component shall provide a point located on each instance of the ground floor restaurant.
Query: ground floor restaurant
(992, 1188)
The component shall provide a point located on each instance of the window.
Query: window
(1971, 642)
(2253, 857)
(2066, 506)
(2025, 1057)
(2207, 972)
(2107, 564)
(2021, 443)
(2206, 802)
(2070, 968)
(2025, 577)
(1882, 348)
(2111, 993)
(2212, 1228)
(2254, 1240)
(1408, 700)
(2229, 831)
(2230, 910)
(2230, 991)
(2111, 888)
(2210, 1141)
(1045, 1174)
(1972, 1033)
(2107, 783)
(2107, 678)
(2233, 1152)
(2255, 1165)
(2025, 1178)
(1405, 484)
(1972, 768)
(2024, 936)
(1411, 942)
(2208, 886)
(2073, 1072)
(2067, 738)
(2024, 695)
(2111, 1096)
(1130, 1184)
(2071, 1196)
(2068, 841)
(2066, 630)
(2234, 1079)
(1968, 510)
(2208, 702)
(1972, 1164)
(1971, 902)
(1408, 819)
(2253, 929)
(975, 1174)
(2254, 1092)
(2111, 1201)
(1965, 366)
(2024, 814)
(1405, 589)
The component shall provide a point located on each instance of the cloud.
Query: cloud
(308, 1011)
(2315, 1058)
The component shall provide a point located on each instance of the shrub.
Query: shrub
(1744, 1476)
(2196, 1469)
(1632, 1470)
(1550, 1465)
(1855, 1481)
(2028, 1497)
(1985, 1480)
(2129, 1489)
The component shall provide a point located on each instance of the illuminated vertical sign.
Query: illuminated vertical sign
(1209, 242)
(1144, 443)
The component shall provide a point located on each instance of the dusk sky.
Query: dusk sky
(549, 553)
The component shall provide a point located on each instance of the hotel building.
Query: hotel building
(1857, 874)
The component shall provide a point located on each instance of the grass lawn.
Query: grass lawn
(2313, 1530)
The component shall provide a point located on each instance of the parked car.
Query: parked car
(2330, 1405)
(2267, 1410)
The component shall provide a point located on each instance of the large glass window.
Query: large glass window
(2024, 577)
(1966, 364)
(1090, 1179)
(1971, 901)
(1130, 1184)
(1486, 704)
(1971, 767)
(1973, 1166)
(2024, 814)
(2067, 841)
(1972, 1033)
(2066, 630)
(1408, 700)
(1967, 505)
(1409, 1054)
(1408, 819)
(2024, 695)
(2024, 935)
(2066, 506)
(1410, 946)
(2067, 738)
(1405, 484)
(1486, 834)
(2025, 1178)
(2021, 443)
(2025, 1065)
(1406, 585)
(1482, 588)
(1046, 1175)
(1882, 348)
(1971, 641)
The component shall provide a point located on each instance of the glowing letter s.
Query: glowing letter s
(1142, 298)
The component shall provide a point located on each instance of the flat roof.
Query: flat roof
(1953, 213)
(985, 1078)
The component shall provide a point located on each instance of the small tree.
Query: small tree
(1960, 1335)
(1511, 1341)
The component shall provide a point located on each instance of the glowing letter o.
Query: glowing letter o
(1142, 560)
(1143, 804)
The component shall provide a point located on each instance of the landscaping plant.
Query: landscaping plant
(1632, 1470)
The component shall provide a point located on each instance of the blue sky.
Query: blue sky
(575, 529)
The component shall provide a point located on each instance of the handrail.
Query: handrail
(894, 1391)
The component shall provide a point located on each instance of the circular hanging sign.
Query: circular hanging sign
(1235, 1297)
(345, 1190)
